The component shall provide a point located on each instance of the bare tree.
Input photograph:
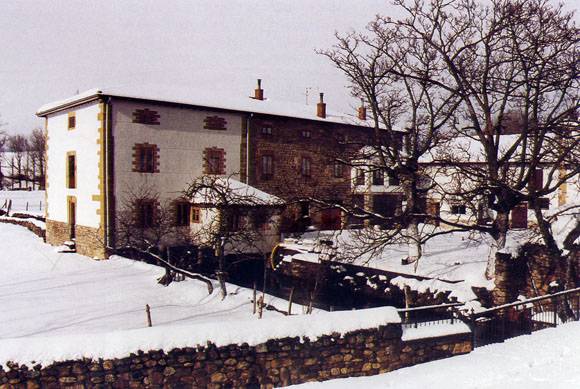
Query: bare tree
(232, 218)
(148, 227)
(479, 64)
(18, 145)
(37, 155)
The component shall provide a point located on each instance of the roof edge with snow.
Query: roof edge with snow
(190, 99)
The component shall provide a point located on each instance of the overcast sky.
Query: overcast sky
(53, 48)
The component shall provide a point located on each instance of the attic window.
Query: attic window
(72, 121)
(306, 134)
(267, 130)
(146, 116)
(215, 123)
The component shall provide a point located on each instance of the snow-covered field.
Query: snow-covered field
(46, 294)
(547, 359)
(20, 199)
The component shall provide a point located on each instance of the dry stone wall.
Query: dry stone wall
(531, 274)
(279, 362)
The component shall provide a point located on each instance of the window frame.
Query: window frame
(71, 121)
(359, 177)
(182, 213)
(267, 166)
(146, 219)
(145, 158)
(338, 169)
(211, 155)
(378, 177)
(306, 167)
(71, 174)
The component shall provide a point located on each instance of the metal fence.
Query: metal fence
(429, 315)
(510, 320)
(499, 323)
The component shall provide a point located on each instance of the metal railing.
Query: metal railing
(506, 321)
(429, 315)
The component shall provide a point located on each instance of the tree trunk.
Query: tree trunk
(221, 273)
(545, 230)
(501, 225)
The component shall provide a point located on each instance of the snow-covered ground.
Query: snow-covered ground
(546, 359)
(44, 293)
(20, 198)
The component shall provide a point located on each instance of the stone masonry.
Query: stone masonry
(278, 362)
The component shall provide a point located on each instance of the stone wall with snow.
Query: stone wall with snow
(278, 361)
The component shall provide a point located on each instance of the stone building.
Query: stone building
(105, 145)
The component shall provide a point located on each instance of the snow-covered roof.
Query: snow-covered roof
(467, 149)
(224, 191)
(203, 98)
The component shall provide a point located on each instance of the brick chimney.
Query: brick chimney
(362, 111)
(321, 107)
(259, 92)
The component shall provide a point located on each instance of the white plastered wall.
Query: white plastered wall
(181, 140)
(83, 141)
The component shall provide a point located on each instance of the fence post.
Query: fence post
(555, 308)
(473, 326)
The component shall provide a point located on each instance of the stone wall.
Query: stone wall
(279, 362)
(89, 241)
(532, 272)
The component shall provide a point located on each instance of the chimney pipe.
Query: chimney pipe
(321, 107)
(362, 111)
(259, 92)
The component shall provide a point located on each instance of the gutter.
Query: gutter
(248, 148)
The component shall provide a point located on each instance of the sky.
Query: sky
(53, 48)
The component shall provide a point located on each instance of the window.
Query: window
(215, 123)
(266, 130)
(536, 180)
(71, 170)
(145, 213)
(214, 161)
(306, 133)
(72, 121)
(182, 214)
(393, 179)
(146, 116)
(145, 158)
(544, 203)
(378, 177)
(360, 177)
(458, 209)
(267, 166)
(305, 167)
(338, 170)
(195, 215)
(234, 221)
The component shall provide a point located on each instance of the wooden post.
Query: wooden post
(148, 312)
(260, 306)
(254, 297)
(27, 206)
(290, 301)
